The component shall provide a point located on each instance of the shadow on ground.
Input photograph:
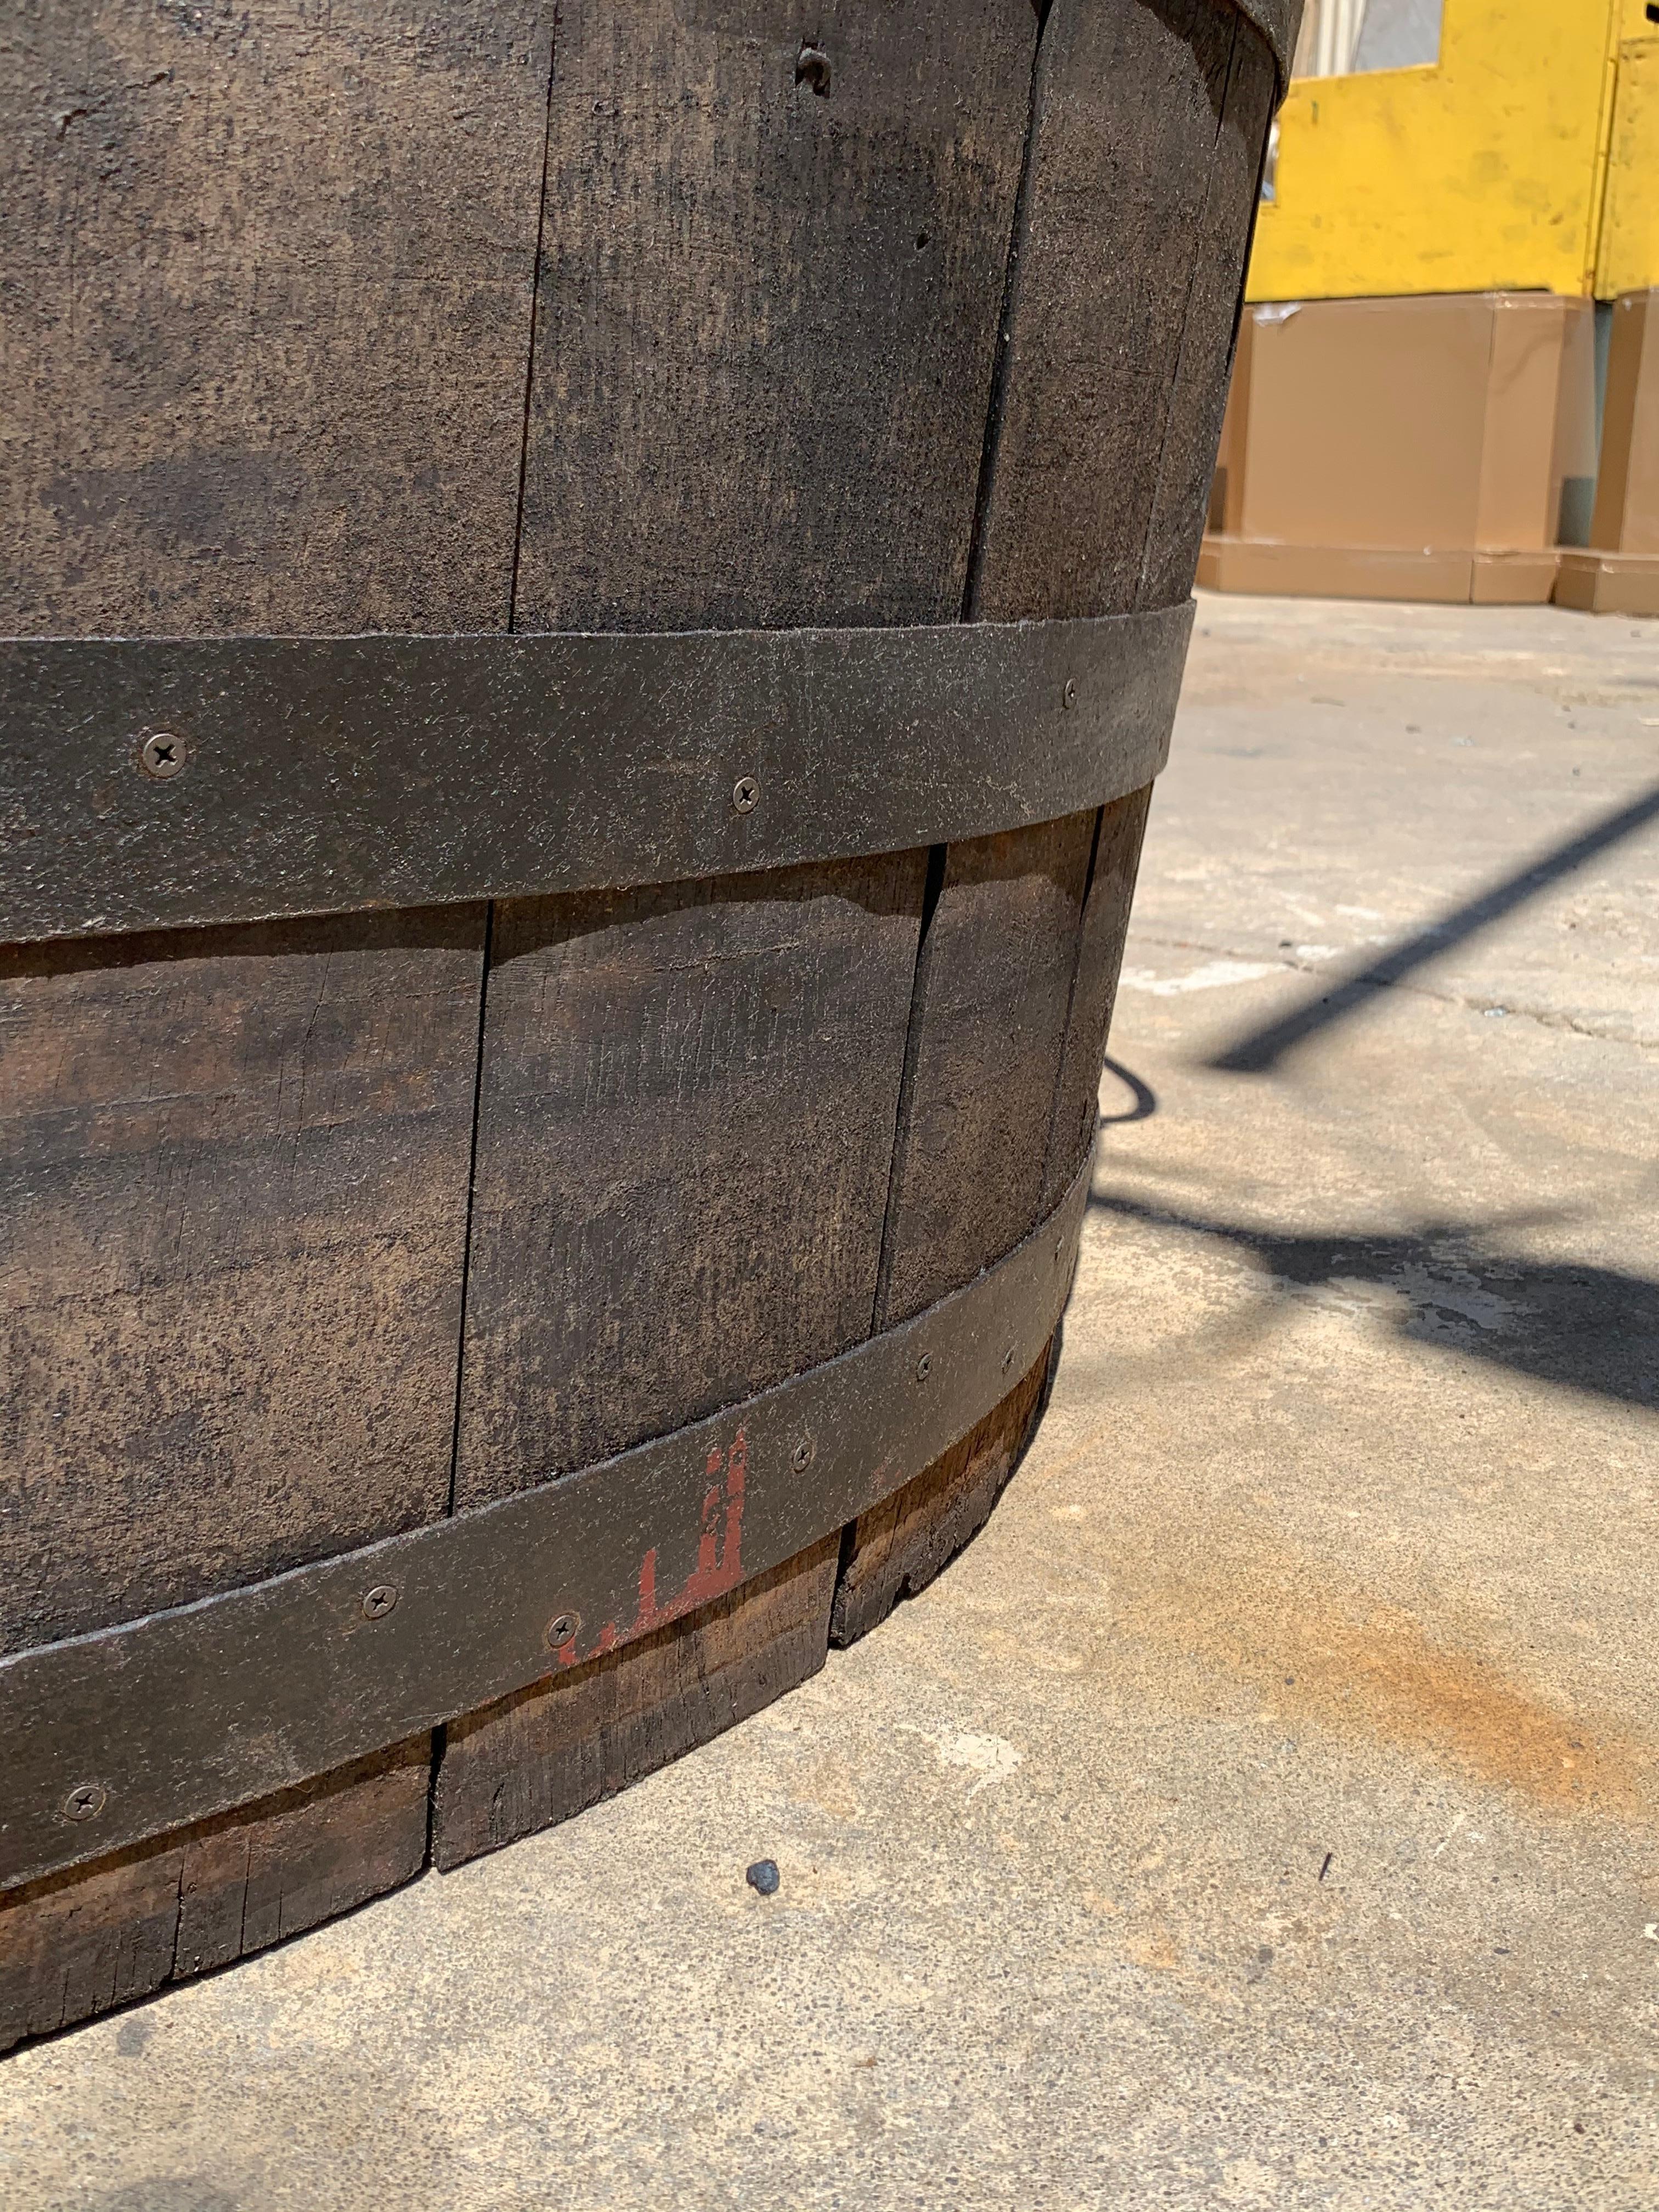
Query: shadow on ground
(1260, 1050)
(1585, 1327)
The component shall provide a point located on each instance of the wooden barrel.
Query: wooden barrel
(545, 1131)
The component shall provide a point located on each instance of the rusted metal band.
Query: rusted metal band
(165, 784)
(136, 1730)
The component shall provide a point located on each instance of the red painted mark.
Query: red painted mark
(720, 1558)
(719, 1553)
(710, 1536)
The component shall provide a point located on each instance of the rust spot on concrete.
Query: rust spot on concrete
(1156, 1952)
(1362, 1668)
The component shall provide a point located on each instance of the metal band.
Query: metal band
(136, 1730)
(1279, 21)
(164, 783)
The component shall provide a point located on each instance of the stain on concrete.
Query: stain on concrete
(1359, 1668)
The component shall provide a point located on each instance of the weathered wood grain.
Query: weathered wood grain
(80, 1944)
(685, 1127)
(266, 293)
(1148, 122)
(1126, 102)
(233, 1182)
(993, 986)
(266, 355)
(685, 1124)
(1197, 396)
(536, 1759)
(265, 301)
(765, 338)
(897, 1549)
(1127, 105)
(1099, 958)
(768, 315)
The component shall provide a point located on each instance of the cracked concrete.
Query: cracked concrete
(1263, 1811)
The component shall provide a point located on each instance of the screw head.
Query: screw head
(924, 1367)
(379, 1601)
(563, 1630)
(85, 1801)
(812, 67)
(801, 1458)
(163, 754)
(1069, 695)
(746, 795)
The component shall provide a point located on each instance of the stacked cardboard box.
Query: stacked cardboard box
(1409, 448)
(1619, 573)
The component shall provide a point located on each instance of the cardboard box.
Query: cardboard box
(1359, 572)
(1411, 448)
(1619, 572)
(1608, 583)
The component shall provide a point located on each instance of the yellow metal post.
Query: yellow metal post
(1627, 258)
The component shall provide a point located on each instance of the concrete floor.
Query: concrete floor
(1263, 1811)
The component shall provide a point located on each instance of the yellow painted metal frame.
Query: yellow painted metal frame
(1484, 173)
(1628, 260)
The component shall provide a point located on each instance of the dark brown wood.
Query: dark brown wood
(1124, 135)
(993, 986)
(187, 1713)
(738, 274)
(1209, 326)
(267, 288)
(1099, 958)
(264, 322)
(1127, 268)
(232, 1174)
(684, 1129)
(77, 1945)
(536, 1759)
(895, 1551)
(1101, 294)
(687, 1115)
(943, 333)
